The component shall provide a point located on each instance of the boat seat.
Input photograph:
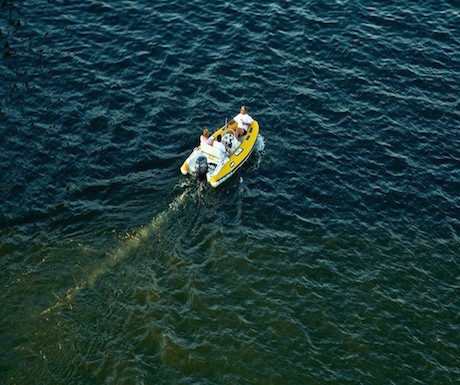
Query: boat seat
(211, 151)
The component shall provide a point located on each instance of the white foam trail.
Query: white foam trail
(259, 148)
(260, 144)
(128, 245)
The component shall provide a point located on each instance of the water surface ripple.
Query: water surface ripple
(330, 258)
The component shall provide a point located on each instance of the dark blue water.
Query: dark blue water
(331, 257)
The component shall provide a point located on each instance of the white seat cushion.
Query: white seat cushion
(210, 150)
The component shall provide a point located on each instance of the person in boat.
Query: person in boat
(204, 138)
(244, 122)
(219, 145)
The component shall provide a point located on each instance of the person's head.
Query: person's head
(219, 138)
(206, 133)
(243, 109)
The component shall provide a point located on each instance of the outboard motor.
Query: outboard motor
(201, 167)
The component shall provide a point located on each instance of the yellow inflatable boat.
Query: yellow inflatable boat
(206, 161)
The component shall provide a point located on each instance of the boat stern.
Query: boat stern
(185, 168)
(213, 181)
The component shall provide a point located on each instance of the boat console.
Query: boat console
(230, 142)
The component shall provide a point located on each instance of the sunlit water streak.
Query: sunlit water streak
(130, 242)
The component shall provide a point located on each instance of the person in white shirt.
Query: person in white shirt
(244, 122)
(218, 144)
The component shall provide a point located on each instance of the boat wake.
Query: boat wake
(259, 152)
(260, 144)
(129, 244)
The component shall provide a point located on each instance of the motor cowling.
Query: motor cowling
(201, 167)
